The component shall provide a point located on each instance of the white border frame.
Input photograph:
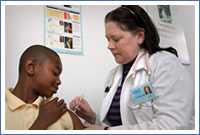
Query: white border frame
(4, 3)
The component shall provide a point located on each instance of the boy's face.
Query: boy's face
(47, 77)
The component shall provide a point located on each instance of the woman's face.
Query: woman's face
(124, 45)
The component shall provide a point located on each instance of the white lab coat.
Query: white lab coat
(174, 106)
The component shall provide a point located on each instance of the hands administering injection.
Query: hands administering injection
(83, 109)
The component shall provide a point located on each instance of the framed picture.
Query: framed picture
(63, 29)
(164, 13)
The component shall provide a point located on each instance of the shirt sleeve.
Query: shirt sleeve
(67, 122)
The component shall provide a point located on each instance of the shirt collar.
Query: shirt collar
(141, 61)
(14, 102)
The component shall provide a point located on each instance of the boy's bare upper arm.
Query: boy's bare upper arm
(77, 124)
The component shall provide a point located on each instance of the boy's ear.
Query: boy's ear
(29, 67)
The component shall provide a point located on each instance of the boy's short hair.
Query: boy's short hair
(38, 53)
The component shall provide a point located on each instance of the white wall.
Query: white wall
(188, 24)
(81, 74)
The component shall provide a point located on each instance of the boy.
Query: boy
(26, 104)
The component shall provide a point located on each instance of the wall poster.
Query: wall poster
(63, 29)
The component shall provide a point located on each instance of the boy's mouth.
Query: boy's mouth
(55, 90)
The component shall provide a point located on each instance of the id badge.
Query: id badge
(142, 94)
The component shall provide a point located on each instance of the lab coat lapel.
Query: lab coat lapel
(108, 99)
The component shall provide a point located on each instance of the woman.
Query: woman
(134, 42)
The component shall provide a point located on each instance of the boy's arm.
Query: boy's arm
(39, 125)
(77, 124)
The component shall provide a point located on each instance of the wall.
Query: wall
(81, 74)
(188, 24)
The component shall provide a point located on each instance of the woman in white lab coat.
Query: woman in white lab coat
(149, 89)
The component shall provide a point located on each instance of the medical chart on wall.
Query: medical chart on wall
(63, 29)
(171, 34)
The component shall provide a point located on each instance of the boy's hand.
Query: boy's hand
(49, 112)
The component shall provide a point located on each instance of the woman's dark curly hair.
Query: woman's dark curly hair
(133, 18)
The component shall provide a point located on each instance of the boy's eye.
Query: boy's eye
(56, 73)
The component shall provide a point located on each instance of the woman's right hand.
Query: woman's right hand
(83, 109)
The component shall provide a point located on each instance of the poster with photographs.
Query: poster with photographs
(63, 29)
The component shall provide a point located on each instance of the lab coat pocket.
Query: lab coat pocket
(142, 112)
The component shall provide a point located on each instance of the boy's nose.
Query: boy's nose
(58, 81)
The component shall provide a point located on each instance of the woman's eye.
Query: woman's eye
(116, 40)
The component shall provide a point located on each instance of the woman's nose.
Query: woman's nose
(111, 45)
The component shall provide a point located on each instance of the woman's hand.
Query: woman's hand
(94, 127)
(49, 112)
(83, 109)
